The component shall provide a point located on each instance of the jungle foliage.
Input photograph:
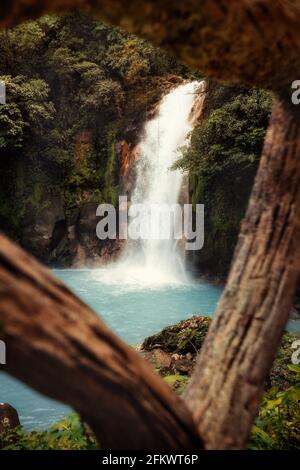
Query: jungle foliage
(74, 87)
(222, 161)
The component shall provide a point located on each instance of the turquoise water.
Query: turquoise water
(133, 310)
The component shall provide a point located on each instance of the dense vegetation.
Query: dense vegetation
(277, 426)
(68, 434)
(75, 87)
(222, 161)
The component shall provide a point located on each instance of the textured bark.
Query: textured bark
(57, 345)
(254, 42)
(246, 331)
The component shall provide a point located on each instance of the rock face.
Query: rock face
(66, 237)
(85, 229)
(9, 418)
(42, 232)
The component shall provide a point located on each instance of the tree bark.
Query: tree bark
(245, 334)
(58, 346)
(254, 42)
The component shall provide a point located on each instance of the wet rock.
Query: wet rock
(87, 223)
(9, 418)
(158, 358)
(66, 238)
(88, 251)
(295, 313)
(41, 235)
(173, 351)
(180, 344)
(162, 358)
(183, 366)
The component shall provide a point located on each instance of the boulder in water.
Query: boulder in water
(184, 337)
(173, 350)
(9, 418)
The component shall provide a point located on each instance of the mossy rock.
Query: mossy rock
(184, 337)
(177, 382)
(187, 336)
(280, 375)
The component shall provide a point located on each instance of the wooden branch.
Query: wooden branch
(58, 346)
(245, 334)
(253, 42)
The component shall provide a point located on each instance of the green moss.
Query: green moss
(186, 336)
(111, 189)
(177, 382)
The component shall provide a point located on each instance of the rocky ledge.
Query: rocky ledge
(173, 353)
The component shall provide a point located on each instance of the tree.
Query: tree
(59, 340)
(234, 43)
(26, 106)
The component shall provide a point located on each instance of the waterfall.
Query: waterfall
(159, 261)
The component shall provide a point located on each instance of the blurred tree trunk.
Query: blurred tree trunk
(254, 42)
(58, 346)
(246, 331)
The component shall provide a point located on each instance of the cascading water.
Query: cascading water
(158, 261)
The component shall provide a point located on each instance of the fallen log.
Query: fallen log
(60, 347)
